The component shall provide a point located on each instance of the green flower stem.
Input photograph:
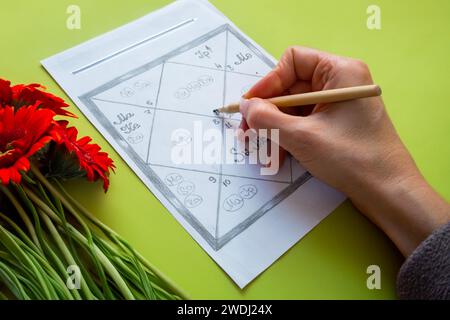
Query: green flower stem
(112, 234)
(19, 231)
(122, 266)
(20, 255)
(103, 259)
(42, 261)
(91, 290)
(3, 296)
(62, 246)
(30, 248)
(9, 277)
(97, 263)
(43, 266)
(90, 247)
(108, 266)
(22, 214)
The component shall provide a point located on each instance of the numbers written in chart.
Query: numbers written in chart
(225, 182)
(201, 82)
(239, 59)
(227, 67)
(236, 201)
(128, 127)
(184, 188)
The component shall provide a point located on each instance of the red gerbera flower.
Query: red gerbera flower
(95, 163)
(26, 95)
(32, 93)
(5, 92)
(22, 134)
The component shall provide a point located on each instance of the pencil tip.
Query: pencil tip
(379, 91)
(216, 111)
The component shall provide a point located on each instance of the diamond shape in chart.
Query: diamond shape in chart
(174, 144)
(189, 88)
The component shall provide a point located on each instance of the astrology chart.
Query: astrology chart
(144, 108)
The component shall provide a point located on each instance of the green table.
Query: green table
(409, 58)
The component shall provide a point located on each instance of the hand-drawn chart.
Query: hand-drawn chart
(144, 107)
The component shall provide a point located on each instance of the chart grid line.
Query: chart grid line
(154, 114)
(222, 131)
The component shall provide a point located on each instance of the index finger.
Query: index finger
(296, 64)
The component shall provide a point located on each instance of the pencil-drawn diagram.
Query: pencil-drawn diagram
(143, 109)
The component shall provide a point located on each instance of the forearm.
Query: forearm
(407, 210)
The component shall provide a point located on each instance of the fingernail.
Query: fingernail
(243, 106)
(246, 95)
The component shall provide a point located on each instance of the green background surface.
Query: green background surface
(409, 58)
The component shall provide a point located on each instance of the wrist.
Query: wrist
(407, 209)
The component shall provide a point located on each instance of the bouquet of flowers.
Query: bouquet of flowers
(51, 247)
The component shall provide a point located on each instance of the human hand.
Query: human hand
(350, 145)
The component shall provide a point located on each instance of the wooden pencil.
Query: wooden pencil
(311, 98)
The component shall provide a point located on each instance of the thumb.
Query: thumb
(261, 114)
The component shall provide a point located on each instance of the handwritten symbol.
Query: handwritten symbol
(182, 94)
(238, 156)
(130, 127)
(173, 179)
(136, 138)
(141, 84)
(185, 188)
(205, 80)
(233, 202)
(242, 58)
(185, 92)
(204, 52)
(181, 137)
(123, 118)
(194, 86)
(127, 92)
(192, 201)
(247, 191)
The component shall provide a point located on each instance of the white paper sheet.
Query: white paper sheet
(142, 82)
